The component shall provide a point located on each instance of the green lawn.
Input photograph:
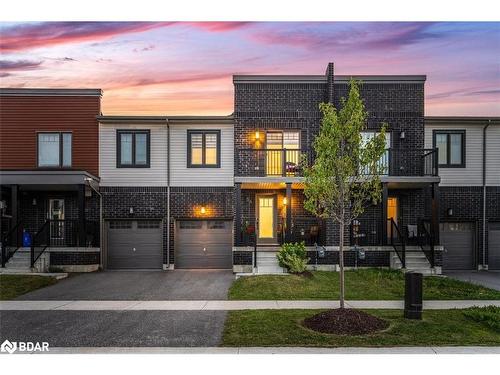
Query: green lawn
(283, 328)
(362, 284)
(12, 286)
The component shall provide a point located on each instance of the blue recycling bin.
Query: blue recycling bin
(26, 239)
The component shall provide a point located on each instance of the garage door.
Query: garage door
(494, 246)
(458, 241)
(134, 244)
(203, 244)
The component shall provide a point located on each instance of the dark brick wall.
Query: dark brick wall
(242, 258)
(35, 215)
(186, 202)
(467, 205)
(65, 258)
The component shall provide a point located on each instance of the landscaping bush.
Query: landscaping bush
(488, 315)
(293, 256)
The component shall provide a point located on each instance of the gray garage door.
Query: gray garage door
(203, 244)
(458, 241)
(494, 246)
(134, 244)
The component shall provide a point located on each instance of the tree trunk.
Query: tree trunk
(341, 264)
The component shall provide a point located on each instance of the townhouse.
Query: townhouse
(81, 190)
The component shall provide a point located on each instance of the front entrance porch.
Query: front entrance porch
(50, 219)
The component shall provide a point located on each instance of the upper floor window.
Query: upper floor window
(54, 150)
(451, 148)
(133, 149)
(366, 136)
(203, 148)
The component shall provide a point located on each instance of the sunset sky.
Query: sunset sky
(186, 68)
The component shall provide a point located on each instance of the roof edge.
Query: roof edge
(49, 92)
(461, 119)
(323, 78)
(165, 119)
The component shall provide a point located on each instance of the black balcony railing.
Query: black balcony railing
(291, 163)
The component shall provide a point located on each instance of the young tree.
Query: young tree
(344, 178)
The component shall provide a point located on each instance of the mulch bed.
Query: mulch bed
(345, 322)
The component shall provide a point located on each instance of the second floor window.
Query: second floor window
(203, 148)
(54, 150)
(133, 149)
(451, 148)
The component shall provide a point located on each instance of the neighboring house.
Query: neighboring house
(226, 191)
(469, 167)
(48, 170)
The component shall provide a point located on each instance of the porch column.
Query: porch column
(435, 213)
(82, 232)
(288, 211)
(237, 213)
(14, 204)
(385, 196)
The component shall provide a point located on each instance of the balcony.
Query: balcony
(290, 163)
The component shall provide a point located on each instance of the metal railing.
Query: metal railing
(307, 229)
(11, 242)
(272, 162)
(291, 163)
(366, 233)
(397, 241)
(426, 242)
(40, 242)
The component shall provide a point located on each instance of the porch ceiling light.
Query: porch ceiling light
(257, 135)
(285, 201)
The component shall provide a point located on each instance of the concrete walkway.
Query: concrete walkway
(278, 350)
(208, 305)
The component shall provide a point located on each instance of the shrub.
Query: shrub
(488, 315)
(293, 256)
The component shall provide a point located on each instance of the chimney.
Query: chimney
(329, 82)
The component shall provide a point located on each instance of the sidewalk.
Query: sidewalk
(279, 350)
(227, 305)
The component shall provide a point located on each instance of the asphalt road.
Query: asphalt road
(114, 328)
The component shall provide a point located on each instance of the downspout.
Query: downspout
(484, 193)
(168, 193)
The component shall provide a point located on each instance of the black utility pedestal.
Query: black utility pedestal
(413, 295)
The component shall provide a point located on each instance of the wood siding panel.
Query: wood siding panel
(181, 175)
(471, 175)
(493, 155)
(21, 117)
(155, 175)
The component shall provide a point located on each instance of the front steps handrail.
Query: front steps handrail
(6, 255)
(399, 248)
(43, 233)
(426, 242)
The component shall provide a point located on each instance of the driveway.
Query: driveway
(139, 286)
(489, 279)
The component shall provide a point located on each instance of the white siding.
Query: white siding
(181, 175)
(471, 175)
(156, 175)
(493, 155)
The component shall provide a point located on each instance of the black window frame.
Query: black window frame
(204, 132)
(133, 132)
(447, 132)
(61, 150)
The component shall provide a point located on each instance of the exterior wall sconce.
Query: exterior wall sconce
(203, 210)
(34, 202)
(285, 201)
(449, 211)
(131, 210)
(402, 135)
(257, 135)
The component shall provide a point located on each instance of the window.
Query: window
(203, 149)
(384, 160)
(133, 149)
(54, 150)
(451, 148)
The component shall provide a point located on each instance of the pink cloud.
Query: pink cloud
(218, 26)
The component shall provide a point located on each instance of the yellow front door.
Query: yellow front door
(266, 214)
(392, 213)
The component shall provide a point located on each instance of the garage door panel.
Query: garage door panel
(494, 246)
(146, 237)
(203, 244)
(458, 241)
